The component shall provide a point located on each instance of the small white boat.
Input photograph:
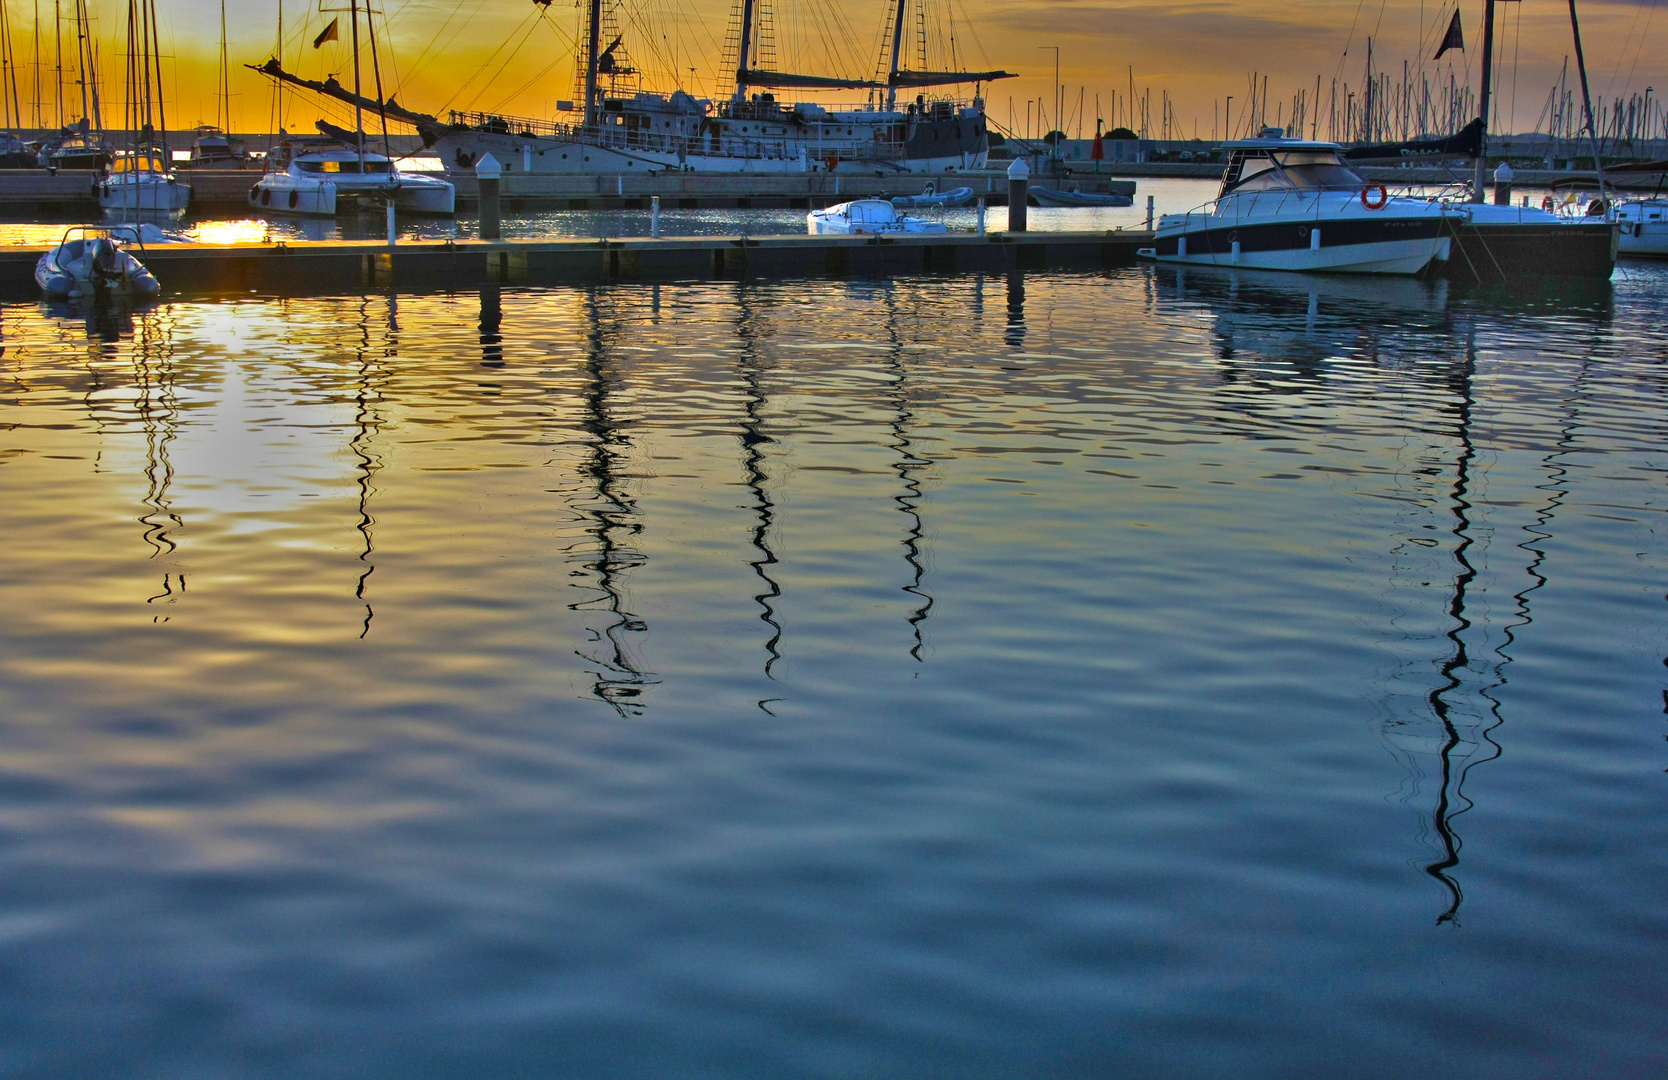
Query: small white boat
(868, 216)
(1644, 227)
(142, 183)
(1044, 196)
(94, 264)
(1293, 204)
(324, 177)
(931, 196)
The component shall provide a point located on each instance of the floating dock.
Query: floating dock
(306, 268)
(1486, 255)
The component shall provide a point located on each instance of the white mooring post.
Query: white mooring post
(1149, 213)
(981, 213)
(654, 215)
(487, 174)
(392, 233)
(1019, 183)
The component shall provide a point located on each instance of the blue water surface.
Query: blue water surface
(1140, 673)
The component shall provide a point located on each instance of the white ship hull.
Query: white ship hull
(459, 150)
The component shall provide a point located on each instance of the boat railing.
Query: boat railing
(852, 149)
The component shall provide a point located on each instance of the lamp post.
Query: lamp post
(1057, 106)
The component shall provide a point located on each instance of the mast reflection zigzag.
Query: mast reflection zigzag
(613, 519)
(753, 443)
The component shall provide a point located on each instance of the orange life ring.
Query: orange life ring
(1547, 204)
(1383, 197)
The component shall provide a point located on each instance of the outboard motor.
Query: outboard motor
(104, 264)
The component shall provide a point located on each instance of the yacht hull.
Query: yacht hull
(1488, 252)
(282, 193)
(143, 195)
(1644, 229)
(1348, 246)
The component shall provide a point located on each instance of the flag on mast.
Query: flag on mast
(1452, 40)
(329, 32)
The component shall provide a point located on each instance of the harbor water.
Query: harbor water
(1137, 673)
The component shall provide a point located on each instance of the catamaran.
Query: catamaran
(323, 177)
(622, 128)
(336, 174)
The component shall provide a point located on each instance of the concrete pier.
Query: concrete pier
(305, 268)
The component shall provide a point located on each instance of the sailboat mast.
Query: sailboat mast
(81, 53)
(593, 45)
(223, 107)
(897, 46)
(1482, 113)
(742, 58)
(1586, 98)
(358, 111)
(154, 55)
(37, 66)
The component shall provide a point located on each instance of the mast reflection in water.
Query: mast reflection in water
(1230, 585)
(613, 523)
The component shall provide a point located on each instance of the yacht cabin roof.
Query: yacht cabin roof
(1280, 144)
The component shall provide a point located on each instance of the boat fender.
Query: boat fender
(1547, 204)
(1378, 203)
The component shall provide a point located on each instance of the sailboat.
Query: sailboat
(1503, 242)
(143, 180)
(624, 129)
(79, 144)
(322, 177)
(210, 144)
(14, 153)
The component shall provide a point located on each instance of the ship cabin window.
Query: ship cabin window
(350, 166)
(1292, 170)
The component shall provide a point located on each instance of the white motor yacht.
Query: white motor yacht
(1293, 204)
(868, 216)
(143, 183)
(323, 177)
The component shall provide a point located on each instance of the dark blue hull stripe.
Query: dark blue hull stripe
(1294, 235)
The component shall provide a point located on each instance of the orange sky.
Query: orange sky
(503, 55)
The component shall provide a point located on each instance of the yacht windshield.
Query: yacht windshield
(1295, 170)
(1323, 174)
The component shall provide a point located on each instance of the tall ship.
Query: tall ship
(907, 124)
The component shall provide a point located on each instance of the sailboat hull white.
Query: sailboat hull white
(1644, 228)
(144, 193)
(285, 193)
